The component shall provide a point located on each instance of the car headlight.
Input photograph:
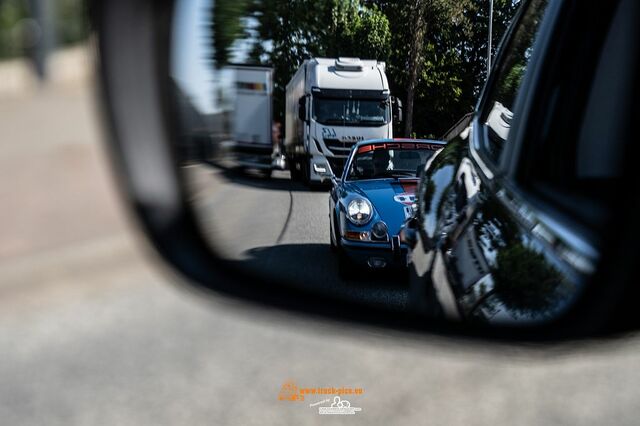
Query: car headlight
(359, 211)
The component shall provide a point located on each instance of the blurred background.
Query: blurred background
(94, 330)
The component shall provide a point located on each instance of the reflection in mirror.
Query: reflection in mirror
(307, 138)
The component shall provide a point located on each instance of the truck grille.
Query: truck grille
(338, 147)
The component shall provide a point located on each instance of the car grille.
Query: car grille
(338, 147)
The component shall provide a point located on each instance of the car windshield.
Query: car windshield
(388, 163)
(351, 112)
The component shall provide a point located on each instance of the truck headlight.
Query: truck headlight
(359, 211)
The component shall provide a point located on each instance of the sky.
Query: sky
(190, 52)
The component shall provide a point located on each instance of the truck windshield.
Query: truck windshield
(351, 112)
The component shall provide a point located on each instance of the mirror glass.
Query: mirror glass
(306, 133)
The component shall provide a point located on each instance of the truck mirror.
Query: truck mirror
(302, 108)
(397, 109)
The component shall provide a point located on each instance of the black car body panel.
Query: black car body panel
(484, 254)
(514, 213)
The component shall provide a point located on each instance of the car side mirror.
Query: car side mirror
(327, 177)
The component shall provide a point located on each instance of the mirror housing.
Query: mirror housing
(396, 107)
(159, 200)
(302, 109)
(328, 176)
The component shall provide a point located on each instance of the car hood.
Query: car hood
(390, 198)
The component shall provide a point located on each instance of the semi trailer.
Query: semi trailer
(252, 145)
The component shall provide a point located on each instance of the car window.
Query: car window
(380, 164)
(588, 104)
(498, 110)
(607, 98)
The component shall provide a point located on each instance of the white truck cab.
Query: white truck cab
(330, 105)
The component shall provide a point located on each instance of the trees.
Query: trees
(435, 49)
(423, 52)
(418, 13)
(227, 26)
(288, 32)
(525, 284)
(70, 24)
(12, 12)
(438, 59)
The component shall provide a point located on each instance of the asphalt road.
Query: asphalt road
(280, 229)
(95, 330)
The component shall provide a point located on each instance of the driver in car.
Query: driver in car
(380, 162)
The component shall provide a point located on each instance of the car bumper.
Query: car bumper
(375, 255)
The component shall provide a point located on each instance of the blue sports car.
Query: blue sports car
(371, 200)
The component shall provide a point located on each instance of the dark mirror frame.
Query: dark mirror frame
(396, 104)
(302, 109)
(137, 107)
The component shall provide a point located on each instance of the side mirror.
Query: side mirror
(511, 270)
(326, 178)
(302, 108)
(396, 105)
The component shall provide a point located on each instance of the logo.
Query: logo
(338, 406)
(399, 145)
(328, 132)
(333, 404)
(289, 392)
(405, 198)
(352, 138)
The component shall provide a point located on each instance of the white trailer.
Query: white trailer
(252, 117)
(330, 105)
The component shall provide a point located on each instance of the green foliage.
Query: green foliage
(453, 58)
(508, 88)
(443, 41)
(525, 282)
(227, 26)
(295, 30)
(357, 31)
(11, 13)
(70, 24)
